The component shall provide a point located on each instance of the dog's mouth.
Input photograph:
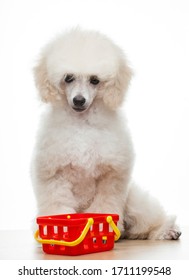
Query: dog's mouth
(79, 109)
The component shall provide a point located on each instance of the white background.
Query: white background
(155, 36)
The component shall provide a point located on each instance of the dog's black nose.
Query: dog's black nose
(79, 100)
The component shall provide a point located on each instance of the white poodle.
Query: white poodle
(84, 157)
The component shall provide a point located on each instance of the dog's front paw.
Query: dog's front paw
(171, 234)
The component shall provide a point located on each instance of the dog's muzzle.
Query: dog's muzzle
(79, 103)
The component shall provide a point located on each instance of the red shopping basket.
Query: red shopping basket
(77, 234)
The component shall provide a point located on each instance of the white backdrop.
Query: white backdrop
(155, 37)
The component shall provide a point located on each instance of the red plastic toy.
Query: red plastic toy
(77, 234)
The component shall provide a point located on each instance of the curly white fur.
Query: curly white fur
(83, 158)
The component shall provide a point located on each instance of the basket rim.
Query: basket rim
(74, 219)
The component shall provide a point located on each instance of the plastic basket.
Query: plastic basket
(77, 234)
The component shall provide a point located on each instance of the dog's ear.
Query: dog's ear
(48, 92)
(117, 86)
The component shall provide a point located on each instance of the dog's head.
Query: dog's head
(80, 66)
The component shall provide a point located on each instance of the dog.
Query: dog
(83, 158)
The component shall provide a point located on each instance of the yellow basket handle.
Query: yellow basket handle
(66, 243)
(80, 238)
(114, 227)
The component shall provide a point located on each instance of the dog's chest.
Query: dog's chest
(85, 148)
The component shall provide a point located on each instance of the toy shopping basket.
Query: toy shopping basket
(77, 234)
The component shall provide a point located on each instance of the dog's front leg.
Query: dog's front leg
(109, 197)
(54, 196)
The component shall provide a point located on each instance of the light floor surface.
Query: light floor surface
(20, 245)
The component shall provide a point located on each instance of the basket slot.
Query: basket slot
(65, 229)
(104, 241)
(44, 230)
(94, 239)
(101, 227)
(110, 229)
(55, 229)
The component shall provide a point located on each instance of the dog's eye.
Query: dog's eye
(94, 80)
(69, 78)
